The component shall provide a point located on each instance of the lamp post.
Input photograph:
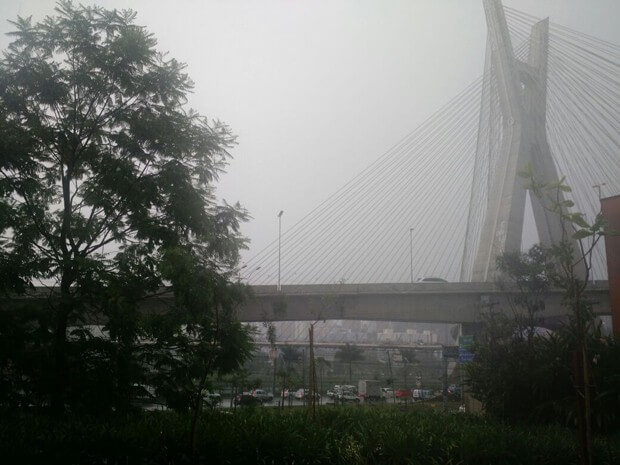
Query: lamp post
(598, 187)
(411, 252)
(279, 246)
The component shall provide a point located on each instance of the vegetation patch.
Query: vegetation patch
(338, 436)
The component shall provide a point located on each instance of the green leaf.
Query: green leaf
(582, 234)
(578, 219)
(567, 203)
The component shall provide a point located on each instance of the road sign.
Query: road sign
(465, 356)
(466, 342)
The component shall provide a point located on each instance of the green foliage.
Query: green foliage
(568, 269)
(290, 354)
(342, 436)
(526, 279)
(348, 354)
(106, 195)
(522, 375)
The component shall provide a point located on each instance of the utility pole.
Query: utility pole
(391, 376)
(311, 374)
(411, 252)
(445, 380)
(279, 246)
(598, 188)
(303, 372)
(275, 361)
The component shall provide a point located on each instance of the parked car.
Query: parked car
(422, 394)
(211, 399)
(348, 397)
(246, 399)
(301, 394)
(403, 394)
(262, 395)
(431, 280)
(387, 393)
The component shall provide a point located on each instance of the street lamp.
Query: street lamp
(598, 187)
(279, 246)
(411, 252)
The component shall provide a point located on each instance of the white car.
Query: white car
(348, 396)
(262, 395)
(431, 280)
(211, 399)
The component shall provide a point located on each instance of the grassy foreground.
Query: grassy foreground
(271, 436)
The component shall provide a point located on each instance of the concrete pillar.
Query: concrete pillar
(610, 208)
(522, 89)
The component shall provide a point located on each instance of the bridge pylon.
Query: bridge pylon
(511, 135)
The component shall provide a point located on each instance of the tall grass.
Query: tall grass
(272, 436)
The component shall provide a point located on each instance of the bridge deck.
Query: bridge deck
(421, 302)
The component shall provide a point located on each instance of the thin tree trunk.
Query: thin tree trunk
(587, 403)
(60, 374)
(196, 413)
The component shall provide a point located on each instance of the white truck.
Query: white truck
(370, 390)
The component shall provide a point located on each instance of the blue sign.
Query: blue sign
(465, 356)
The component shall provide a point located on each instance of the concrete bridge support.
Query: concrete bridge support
(520, 140)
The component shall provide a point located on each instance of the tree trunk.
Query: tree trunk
(123, 367)
(587, 402)
(59, 374)
(195, 414)
(67, 271)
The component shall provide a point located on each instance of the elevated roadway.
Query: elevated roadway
(419, 302)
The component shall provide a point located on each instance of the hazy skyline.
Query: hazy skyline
(315, 91)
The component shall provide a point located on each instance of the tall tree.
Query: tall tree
(552, 365)
(409, 359)
(104, 173)
(573, 265)
(322, 363)
(290, 355)
(348, 354)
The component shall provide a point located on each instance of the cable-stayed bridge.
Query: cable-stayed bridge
(446, 200)
(443, 179)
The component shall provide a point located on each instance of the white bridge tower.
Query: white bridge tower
(511, 135)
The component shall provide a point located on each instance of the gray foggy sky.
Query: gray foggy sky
(316, 90)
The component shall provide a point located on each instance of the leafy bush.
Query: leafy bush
(339, 436)
(524, 375)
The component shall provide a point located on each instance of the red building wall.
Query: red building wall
(610, 208)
